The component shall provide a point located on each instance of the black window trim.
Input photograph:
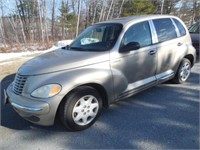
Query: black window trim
(176, 28)
(154, 35)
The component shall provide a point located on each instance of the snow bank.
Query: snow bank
(63, 43)
(7, 56)
(59, 44)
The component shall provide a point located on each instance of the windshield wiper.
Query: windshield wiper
(77, 48)
(66, 47)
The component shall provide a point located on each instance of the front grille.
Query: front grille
(19, 83)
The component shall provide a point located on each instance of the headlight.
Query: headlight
(46, 91)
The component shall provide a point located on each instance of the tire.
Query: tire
(183, 71)
(80, 108)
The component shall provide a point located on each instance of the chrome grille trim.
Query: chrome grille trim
(19, 83)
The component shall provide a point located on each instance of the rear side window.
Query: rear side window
(180, 27)
(140, 33)
(165, 29)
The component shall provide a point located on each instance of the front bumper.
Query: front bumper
(38, 112)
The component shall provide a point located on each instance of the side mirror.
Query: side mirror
(129, 47)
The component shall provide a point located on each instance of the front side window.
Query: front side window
(165, 29)
(180, 27)
(140, 33)
(100, 37)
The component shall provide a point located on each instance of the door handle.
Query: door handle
(152, 52)
(179, 44)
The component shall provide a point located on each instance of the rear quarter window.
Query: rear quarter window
(165, 29)
(180, 27)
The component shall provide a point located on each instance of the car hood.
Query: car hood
(60, 59)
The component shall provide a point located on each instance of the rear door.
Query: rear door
(167, 48)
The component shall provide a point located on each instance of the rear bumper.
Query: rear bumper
(38, 112)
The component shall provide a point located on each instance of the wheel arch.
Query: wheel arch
(101, 90)
(190, 57)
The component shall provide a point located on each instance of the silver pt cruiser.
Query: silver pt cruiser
(107, 62)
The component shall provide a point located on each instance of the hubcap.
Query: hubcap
(185, 71)
(85, 110)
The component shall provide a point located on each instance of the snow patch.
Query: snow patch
(5, 63)
(6, 56)
(63, 43)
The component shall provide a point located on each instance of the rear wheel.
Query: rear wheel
(80, 109)
(183, 72)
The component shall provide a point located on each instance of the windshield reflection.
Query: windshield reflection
(99, 37)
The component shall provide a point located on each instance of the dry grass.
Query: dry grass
(12, 65)
(14, 48)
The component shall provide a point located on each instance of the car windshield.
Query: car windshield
(194, 28)
(99, 37)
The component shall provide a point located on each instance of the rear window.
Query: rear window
(180, 27)
(165, 29)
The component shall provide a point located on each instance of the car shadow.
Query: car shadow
(9, 118)
(5, 82)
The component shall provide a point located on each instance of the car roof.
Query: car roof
(126, 20)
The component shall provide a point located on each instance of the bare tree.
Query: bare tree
(195, 10)
(45, 20)
(53, 19)
(41, 23)
(95, 11)
(105, 10)
(2, 23)
(21, 9)
(120, 10)
(162, 5)
(87, 12)
(79, 14)
(113, 9)
(73, 6)
(109, 10)
(32, 23)
(2, 33)
(102, 10)
(12, 23)
(22, 26)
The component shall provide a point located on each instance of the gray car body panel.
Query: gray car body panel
(60, 60)
(113, 71)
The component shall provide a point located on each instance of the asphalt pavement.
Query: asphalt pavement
(163, 117)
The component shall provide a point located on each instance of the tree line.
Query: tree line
(45, 21)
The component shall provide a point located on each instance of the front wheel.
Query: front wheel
(80, 109)
(183, 71)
